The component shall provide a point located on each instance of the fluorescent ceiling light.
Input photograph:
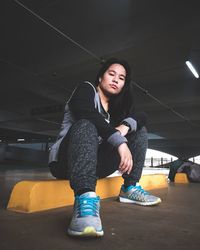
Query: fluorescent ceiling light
(20, 139)
(152, 136)
(193, 70)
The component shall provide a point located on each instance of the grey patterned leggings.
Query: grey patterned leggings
(83, 160)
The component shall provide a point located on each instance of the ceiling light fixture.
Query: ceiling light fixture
(193, 70)
(20, 139)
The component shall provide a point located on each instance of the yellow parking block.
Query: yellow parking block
(181, 178)
(32, 196)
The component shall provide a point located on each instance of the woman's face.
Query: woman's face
(113, 80)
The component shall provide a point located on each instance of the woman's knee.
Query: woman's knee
(83, 129)
(142, 131)
(140, 136)
(84, 124)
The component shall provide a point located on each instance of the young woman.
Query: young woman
(99, 135)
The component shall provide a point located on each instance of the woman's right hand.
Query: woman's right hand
(126, 162)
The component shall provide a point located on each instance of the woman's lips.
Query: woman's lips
(113, 86)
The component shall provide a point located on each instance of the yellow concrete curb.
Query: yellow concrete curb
(181, 178)
(34, 196)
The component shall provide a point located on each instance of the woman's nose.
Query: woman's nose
(115, 79)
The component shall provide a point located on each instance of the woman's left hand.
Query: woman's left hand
(123, 129)
(126, 160)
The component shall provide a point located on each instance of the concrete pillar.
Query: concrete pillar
(2, 152)
(151, 161)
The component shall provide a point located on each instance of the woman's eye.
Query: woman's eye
(122, 78)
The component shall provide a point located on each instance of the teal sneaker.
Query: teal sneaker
(137, 195)
(86, 220)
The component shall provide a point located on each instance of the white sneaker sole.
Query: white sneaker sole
(142, 203)
(88, 232)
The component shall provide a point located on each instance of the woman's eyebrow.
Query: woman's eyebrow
(122, 75)
(112, 70)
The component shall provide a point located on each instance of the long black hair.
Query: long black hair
(122, 105)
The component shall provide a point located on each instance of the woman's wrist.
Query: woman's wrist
(123, 129)
(125, 123)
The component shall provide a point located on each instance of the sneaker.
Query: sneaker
(137, 195)
(86, 220)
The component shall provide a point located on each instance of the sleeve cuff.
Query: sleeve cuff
(116, 139)
(132, 123)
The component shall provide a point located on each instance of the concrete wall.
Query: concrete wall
(22, 154)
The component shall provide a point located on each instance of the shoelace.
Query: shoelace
(141, 190)
(87, 206)
(138, 192)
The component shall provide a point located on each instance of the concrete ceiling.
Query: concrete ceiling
(40, 66)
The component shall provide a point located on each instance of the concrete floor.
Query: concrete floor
(174, 224)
